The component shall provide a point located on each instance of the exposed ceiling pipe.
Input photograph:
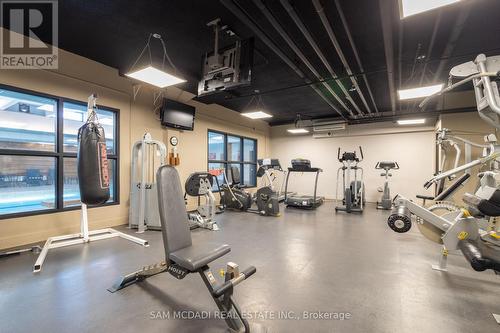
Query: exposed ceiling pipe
(388, 116)
(454, 36)
(400, 54)
(263, 37)
(320, 10)
(435, 30)
(452, 41)
(409, 104)
(400, 57)
(355, 51)
(319, 53)
(276, 25)
(386, 16)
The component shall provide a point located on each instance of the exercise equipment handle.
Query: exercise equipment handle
(228, 285)
(361, 152)
(493, 156)
(338, 155)
(458, 84)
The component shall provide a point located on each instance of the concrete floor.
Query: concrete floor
(306, 261)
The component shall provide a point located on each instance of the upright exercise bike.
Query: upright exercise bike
(354, 191)
(386, 200)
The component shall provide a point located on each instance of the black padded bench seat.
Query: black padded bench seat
(480, 255)
(182, 257)
(175, 227)
(194, 257)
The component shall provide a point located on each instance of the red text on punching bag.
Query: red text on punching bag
(103, 164)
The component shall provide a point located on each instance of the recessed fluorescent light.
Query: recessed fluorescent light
(412, 7)
(297, 130)
(256, 115)
(411, 121)
(421, 92)
(155, 77)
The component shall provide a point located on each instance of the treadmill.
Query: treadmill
(303, 201)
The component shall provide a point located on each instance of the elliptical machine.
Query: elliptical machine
(386, 200)
(354, 191)
(234, 197)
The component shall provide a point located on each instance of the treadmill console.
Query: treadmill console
(301, 164)
(269, 163)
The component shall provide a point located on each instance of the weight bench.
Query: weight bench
(183, 257)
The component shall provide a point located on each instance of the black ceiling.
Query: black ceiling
(114, 32)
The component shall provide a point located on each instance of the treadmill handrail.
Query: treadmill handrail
(316, 186)
(286, 185)
(305, 170)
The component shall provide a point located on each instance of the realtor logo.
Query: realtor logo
(29, 37)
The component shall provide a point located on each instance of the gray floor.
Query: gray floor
(306, 261)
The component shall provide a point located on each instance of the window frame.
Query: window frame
(227, 161)
(59, 155)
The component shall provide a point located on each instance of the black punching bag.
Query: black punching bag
(93, 173)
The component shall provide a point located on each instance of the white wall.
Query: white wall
(413, 148)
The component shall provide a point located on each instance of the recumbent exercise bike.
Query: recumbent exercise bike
(235, 197)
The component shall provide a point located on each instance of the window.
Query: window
(227, 150)
(38, 150)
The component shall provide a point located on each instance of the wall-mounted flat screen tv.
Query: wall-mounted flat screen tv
(177, 115)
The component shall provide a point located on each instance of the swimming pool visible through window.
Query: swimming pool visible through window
(38, 150)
